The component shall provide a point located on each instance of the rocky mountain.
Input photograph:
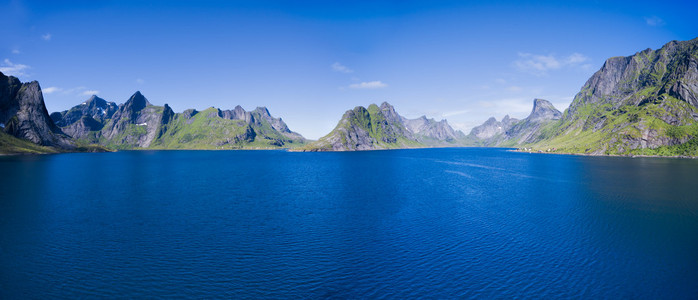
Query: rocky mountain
(646, 103)
(512, 132)
(139, 124)
(89, 116)
(492, 128)
(23, 115)
(381, 127)
(530, 129)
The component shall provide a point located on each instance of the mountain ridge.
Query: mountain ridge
(381, 127)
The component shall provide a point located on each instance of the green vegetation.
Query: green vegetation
(603, 129)
(12, 145)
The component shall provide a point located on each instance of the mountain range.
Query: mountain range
(643, 104)
(381, 127)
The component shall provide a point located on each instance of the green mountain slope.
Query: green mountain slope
(646, 103)
(380, 127)
(137, 124)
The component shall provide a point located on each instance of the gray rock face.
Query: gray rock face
(23, 114)
(89, 116)
(543, 111)
(492, 128)
(127, 124)
(672, 70)
(238, 113)
(528, 130)
(512, 131)
(381, 127)
(350, 135)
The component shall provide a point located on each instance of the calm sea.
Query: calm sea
(431, 223)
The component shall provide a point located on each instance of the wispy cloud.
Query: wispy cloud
(10, 68)
(337, 67)
(15, 51)
(368, 85)
(455, 113)
(654, 21)
(46, 37)
(76, 91)
(90, 92)
(51, 90)
(540, 64)
(140, 81)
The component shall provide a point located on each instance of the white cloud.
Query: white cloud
(576, 58)
(337, 67)
(10, 68)
(90, 92)
(80, 90)
(46, 37)
(368, 85)
(51, 90)
(654, 21)
(15, 51)
(541, 64)
(140, 81)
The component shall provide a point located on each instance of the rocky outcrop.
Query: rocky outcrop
(381, 127)
(432, 132)
(529, 130)
(79, 121)
(510, 131)
(135, 124)
(23, 114)
(492, 128)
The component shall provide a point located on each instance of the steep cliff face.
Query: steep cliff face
(646, 103)
(23, 114)
(635, 104)
(531, 129)
(136, 123)
(381, 127)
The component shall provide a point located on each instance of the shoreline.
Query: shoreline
(514, 150)
(606, 155)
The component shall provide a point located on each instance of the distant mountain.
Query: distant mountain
(139, 124)
(383, 128)
(23, 115)
(513, 132)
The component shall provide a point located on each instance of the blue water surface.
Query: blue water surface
(427, 223)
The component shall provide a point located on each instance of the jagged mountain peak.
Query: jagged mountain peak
(381, 127)
(137, 101)
(543, 110)
(263, 111)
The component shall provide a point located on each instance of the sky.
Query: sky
(310, 61)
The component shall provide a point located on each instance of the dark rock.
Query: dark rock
(23, 114)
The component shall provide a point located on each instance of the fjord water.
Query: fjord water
(428, 223)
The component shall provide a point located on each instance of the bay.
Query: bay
(419, 223)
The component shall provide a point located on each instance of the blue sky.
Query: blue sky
(308, 62)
